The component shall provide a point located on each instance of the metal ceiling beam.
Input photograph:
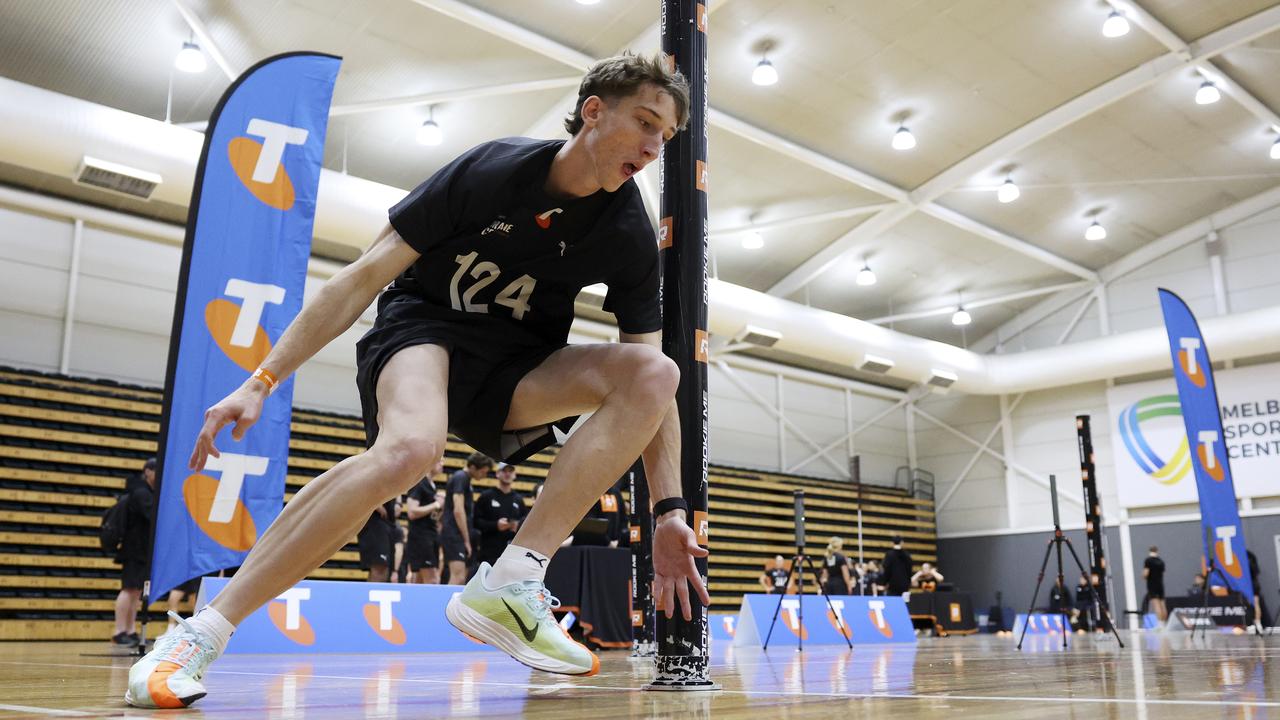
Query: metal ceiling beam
(1211, 70)
(972, 304)
(801, 275)
(1154, 250)
(206, 40)
(1113, 90)
(1034, 252)
(799, 220)
(824, 258)
(441, 96)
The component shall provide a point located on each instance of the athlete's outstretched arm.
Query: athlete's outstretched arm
(674, 543)
(333, 310)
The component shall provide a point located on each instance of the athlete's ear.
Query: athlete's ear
(592, 108)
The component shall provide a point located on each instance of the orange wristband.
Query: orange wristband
(267, 379)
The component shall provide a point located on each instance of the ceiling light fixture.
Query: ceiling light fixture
(430, 133)
(765, 73)
(865, 276)
(1275, 150)
(1095, 232)
(189, 59)
(961, 317)
(1207, 94)
(903, 139)
(1008, 191)
(752, 240)
(1115, 25)
(588, 2)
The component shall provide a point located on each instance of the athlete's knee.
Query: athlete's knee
(405, 460)
(652, 376)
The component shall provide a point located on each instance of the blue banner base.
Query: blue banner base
(321, 616)
(862, 619)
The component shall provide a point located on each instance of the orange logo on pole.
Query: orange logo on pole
(700, 175)
(702, 17)
(666, 233)
(394, 634)
(701, 527)
(701, 346)
(243, 153)
(198, 492)
(220, 316)
(635, 533)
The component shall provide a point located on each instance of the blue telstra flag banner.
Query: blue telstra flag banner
(1221, 531)
(243, 268)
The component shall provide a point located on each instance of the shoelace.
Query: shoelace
(191, 656)
(542, 601)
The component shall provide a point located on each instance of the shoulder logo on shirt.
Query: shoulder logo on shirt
(499, 226)
(544, 219)
(496, 503)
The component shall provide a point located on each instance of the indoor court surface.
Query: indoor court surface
(1155, 676)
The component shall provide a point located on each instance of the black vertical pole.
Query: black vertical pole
(641, 525)
(1093, 517)
(682, 661)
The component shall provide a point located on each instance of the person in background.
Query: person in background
(927, 579)
(423, 506)
(895, 571)
(774, 579)
(455, 528)
(1153, 571)
(377, 541)
(1197, 586)
(498, 513)
(177, 595)
(836, 566)
(135, 554)
(1060, 600)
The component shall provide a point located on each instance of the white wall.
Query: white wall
(124, 311)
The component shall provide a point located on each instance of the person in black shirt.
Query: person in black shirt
(135, 553)
(774, 579)
(612, 509)
(1060, 598)
(895, 573)
(456, 529)
(377, 541)
(498, 513)
(835, 567)
(1153, 571)
(423, 505)
(483, 263)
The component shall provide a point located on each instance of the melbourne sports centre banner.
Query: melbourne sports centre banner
(243, 268)
(1149, 440)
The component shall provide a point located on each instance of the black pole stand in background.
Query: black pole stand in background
(798, 564)
(1056, 543)
(1211, 569)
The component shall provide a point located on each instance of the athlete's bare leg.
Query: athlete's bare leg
(428, 576)
(629, 386)
(329, 510)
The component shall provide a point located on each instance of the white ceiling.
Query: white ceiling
(965, 75)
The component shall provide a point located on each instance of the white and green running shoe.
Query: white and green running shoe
(517, 620)
(169, 675)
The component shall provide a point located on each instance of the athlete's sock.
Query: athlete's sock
(213, 626)
(517, 564)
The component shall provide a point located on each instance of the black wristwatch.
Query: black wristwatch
(662, 507)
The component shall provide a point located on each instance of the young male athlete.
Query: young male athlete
(487, 257)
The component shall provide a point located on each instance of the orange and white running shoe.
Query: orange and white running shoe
(169, 675)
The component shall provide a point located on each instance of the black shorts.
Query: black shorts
(134, 574)
(422, 550)
(484, 369)
(377, 540)
(454, 550)
(1155, 592)
(190, 587)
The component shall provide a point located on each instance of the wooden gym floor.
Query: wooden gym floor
(1156, 676)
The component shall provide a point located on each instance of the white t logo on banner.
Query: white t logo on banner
(1190, 345)
(384, 598)
(274, 139)
(255, 297)
(293, 598)
(234, 468)
(1208, 438)
(1225, 533)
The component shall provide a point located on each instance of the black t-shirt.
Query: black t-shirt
(498, 256)
(492, 505)
(777, 579)
(896, 571)
(459, 485)
(425, 493)
(1155, 571)
(836, 563)
(140, 510)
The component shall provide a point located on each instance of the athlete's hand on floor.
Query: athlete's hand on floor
(674, 548)
(241, 407)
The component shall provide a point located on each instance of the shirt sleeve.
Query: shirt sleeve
(633, 291)
(433, 210)
(482, 514)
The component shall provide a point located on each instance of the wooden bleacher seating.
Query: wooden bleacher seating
(68, 444)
